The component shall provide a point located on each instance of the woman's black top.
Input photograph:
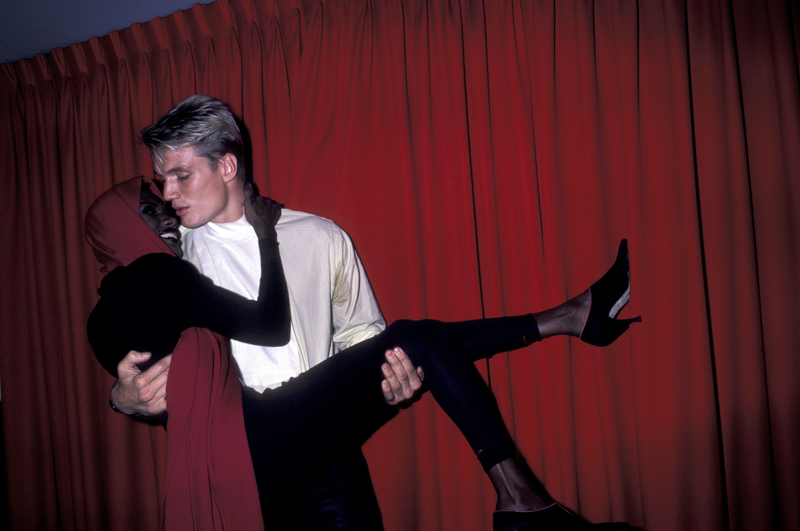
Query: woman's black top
(146, 305)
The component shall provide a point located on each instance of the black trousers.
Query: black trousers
(299, 430)
(343, 499)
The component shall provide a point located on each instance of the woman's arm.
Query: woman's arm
(266, 321)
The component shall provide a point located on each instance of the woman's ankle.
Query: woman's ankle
(566, 319)
(515, 492)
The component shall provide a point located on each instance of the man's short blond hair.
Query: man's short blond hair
(201, 122)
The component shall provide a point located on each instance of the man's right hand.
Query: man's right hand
(141, 393)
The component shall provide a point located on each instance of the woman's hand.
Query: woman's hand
(262, 213)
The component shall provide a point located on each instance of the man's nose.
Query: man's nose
(170, 191)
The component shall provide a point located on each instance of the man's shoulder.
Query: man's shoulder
(293, 221)
(289, 216)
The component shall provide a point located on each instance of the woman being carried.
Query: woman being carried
(153, 301)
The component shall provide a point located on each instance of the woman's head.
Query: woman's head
(115, 227)
(161, 218)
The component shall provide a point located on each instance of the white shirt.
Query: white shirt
(332, 303)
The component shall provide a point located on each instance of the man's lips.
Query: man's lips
(180, 210)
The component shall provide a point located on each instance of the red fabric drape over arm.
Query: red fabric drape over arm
(209, 481)
(486, 157)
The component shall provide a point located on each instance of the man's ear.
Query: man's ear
(229, 166)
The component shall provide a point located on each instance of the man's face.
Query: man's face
(197, 192)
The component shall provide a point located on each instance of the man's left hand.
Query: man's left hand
(402, 384)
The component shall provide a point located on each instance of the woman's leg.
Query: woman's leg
(483, 339)
(294, 431)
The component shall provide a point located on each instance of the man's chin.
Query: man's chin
(192, 223)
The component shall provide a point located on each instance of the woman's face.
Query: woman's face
(161, 219)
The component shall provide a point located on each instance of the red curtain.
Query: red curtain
(486, 157)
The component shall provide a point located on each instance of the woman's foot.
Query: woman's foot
(516, 490)
(607, 298)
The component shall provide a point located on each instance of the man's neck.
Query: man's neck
(232, 218)
(234, 209)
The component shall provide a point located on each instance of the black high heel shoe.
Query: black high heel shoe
(609, 295)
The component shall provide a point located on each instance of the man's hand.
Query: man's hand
(402, 385)
(141, 393)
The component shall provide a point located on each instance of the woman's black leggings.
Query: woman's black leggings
(296, 431)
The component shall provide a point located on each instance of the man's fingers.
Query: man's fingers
(395, 359)
(404, 370)
(136, 356)
(391, 378)
(148, 385)
(127, 365)
(154, 375)
(409, 371)
(388, 395)
(161, 366)
(159, 401)
(402, 381)
(141, 392)
(151, 399)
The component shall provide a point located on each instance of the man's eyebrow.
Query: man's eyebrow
(176, 169)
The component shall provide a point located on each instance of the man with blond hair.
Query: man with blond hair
(198, 153)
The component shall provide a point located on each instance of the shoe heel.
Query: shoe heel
(609, 295)
(606, 331)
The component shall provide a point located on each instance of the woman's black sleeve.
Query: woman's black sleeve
(263, 322)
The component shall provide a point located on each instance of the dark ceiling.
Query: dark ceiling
(28, 27)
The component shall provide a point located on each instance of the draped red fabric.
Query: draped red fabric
(209, 482)
(114, 229)
(486, 157)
